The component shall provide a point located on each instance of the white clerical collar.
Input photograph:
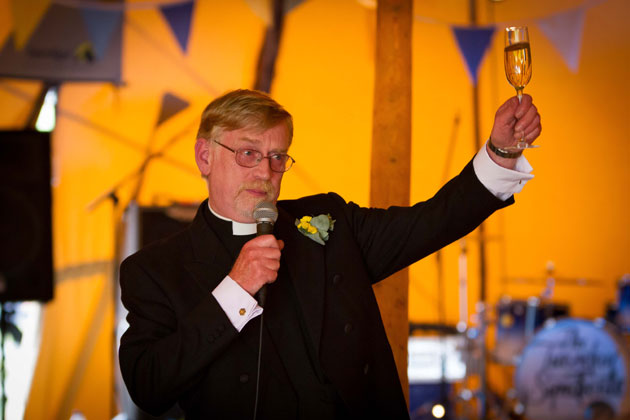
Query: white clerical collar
(238, 228)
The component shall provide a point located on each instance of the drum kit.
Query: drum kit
(529, 359)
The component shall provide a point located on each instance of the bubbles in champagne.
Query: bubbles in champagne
(518, 64)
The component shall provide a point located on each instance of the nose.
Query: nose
(263, 169)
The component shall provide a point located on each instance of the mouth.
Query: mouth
(256, 192)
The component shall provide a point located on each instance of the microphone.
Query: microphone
(265, 214)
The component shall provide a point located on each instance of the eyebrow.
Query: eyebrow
(256, 142)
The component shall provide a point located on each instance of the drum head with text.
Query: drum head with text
(574, 369)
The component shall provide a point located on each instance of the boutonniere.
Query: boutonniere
(316, 228)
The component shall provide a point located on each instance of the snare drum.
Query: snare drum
(575, 369)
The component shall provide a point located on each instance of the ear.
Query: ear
(203, 156)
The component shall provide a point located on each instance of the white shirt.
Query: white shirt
(240, 306)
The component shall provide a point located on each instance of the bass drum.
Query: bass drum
(574, 369)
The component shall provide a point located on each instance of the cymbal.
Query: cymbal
(567, 281)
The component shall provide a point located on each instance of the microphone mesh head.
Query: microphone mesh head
(265, 212)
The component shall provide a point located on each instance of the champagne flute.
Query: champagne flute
(518, 68)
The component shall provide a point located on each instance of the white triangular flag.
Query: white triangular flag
(262, 9)
(564, 30)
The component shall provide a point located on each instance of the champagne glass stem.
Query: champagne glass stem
(521, 145)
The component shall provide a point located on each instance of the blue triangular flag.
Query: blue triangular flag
(473, 43)
(171, 105)
(178, 17)
(100, 25)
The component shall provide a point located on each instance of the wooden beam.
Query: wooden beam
(266, 67)
(390, 176)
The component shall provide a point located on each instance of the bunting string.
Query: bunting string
(563, 29)
(175, 60)
(124, 6)
(102, 22)
(587, 4)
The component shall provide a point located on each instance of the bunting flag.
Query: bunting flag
(264, 8)
(178, 17)
(171, 105)
(57, 54)
(26, 17)
(34, 23)
(100, 25)
(564, 30)
(473, 43)
(291, 4)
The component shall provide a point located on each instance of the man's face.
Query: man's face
(235, 190)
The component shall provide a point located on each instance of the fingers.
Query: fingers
(258, 263)
(266, 252)
(528, 114)
(511, 110)
(264, 241)
(523, 107)
(528, 125)
(514, 120)
(505, 115)
(532, 130)
(530, 137)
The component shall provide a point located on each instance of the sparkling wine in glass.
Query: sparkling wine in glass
(518, 67)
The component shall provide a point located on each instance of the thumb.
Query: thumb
(504, 121)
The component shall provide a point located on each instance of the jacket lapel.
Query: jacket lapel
(211, 262)
(305, 261)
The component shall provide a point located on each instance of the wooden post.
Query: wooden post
(269, 50)
(391, 156)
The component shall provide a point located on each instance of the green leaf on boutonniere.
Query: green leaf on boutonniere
(317, 228)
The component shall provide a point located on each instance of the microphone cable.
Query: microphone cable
(265, 214)
(258, 366)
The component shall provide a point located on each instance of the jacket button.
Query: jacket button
(347, 328)
(366, 368)
(244, 378)
(336, 279)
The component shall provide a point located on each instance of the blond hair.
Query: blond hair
(243, 108)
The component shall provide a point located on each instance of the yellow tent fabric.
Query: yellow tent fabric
(573, 213)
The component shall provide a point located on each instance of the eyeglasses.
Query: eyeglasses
(249, 158)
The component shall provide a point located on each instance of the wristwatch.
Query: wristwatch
(502, 152)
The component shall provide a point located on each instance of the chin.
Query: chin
(245, 205)
(246, 210)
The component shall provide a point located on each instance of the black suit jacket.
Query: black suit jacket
(180, 345)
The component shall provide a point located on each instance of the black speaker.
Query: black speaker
(26, 262)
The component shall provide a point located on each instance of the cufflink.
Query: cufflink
(242, 311)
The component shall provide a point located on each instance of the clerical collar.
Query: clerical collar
(238, 228)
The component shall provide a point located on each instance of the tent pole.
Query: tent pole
(390, 174)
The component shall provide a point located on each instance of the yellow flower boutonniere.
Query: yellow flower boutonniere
(316, 228)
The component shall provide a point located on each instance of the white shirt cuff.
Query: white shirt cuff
(239, 306)
(500, 181)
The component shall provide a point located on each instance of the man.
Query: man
(194, 321)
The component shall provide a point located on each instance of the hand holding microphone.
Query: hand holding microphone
(259, 260)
